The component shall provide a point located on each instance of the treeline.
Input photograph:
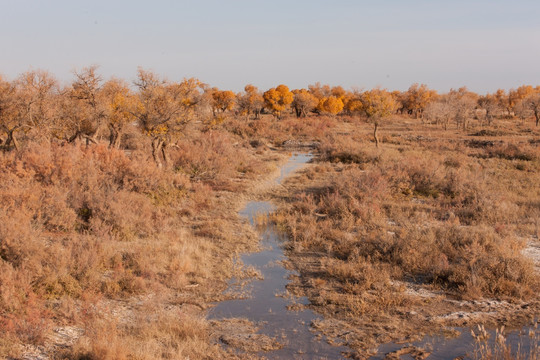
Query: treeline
(35, 106)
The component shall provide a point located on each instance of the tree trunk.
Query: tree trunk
(165, 154)
(157, 144)
(90, 139)
(114, 137)
(76, 136)
(11, 139)
(537, 116)
(375, 134)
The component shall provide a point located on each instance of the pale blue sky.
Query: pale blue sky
(483, 44)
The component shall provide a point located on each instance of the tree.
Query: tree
(11, 115)
(439, 112)
(222, 100)
(353, 104)
(303, 102)
(251, 102)
(120, 107)
(278, 99)
(320, 91)
(462, 103)
(338, 92)
(38, 92)
(329, 98)
(490, 104)
(522, 110)
(331, 105)
(417, 98)
(165, 109)
(516, 96)
(502, 99)
(83, 112)
(533, 102)
(377, 104)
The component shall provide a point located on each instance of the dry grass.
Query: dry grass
(500, 349)
(429, 208)
(86, 228)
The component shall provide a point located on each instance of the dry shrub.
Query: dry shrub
(65, 212)
(270, 129)
(82, 225)
(215, 159)
(402, 217)
(514, 151)
(347, 151)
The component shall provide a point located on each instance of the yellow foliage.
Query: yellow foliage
(120, 102)
(250, 102)
(517, 95)
(223, 100)
(417, 98)
(377, 104)
(278, 99)
(164, 108)
(331, 105)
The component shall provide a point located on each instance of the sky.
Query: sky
(481, 44)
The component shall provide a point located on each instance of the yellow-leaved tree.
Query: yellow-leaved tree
(332, 105)
(352, 102)
(377, 104)
(222, 100)
(120, 105)
(278, 99)
(516, 96)
(416, 99)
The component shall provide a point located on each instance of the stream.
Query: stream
(266, 306)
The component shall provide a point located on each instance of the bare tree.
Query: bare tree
(251, 102)
(462, 103)
(83, 110)
(533, 103)
(439, 112)
(38, 94)
(491, 106)
(11, 114)
(304, 102)
(165, 109)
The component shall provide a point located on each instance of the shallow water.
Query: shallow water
(463, 346)
(291, 328)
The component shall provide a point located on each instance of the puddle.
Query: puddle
(520, 341)
(270, 312)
